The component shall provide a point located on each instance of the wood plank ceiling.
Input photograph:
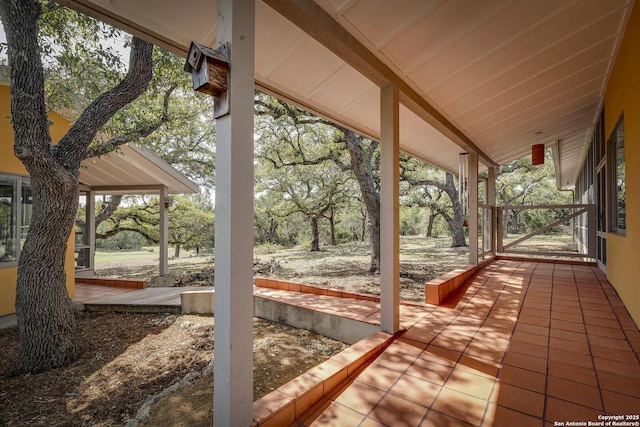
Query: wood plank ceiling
(498, 70)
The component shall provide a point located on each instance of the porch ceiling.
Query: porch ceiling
(133, 170)
(495, 71)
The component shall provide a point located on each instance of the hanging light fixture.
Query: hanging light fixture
(463, 173)
(537, 152)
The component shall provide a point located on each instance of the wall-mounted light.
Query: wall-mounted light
(537, 152)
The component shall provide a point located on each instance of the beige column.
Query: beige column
(233, 306)
(164, 231)
(473, 207)
(491, 201)
(90, 227)
(389, 210)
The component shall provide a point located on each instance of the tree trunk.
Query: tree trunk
(432, 218)
(176, 252)
(457, 229)
(363, 227)
(315, 235)
(46, 323)
(457, 222)
(361, 165)
(332, 226)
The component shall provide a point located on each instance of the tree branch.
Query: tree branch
(73, 147)
(113, 143)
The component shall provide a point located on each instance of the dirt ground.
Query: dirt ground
(345, 266)
(128, 357)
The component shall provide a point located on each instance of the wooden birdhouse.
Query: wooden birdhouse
(209, 69)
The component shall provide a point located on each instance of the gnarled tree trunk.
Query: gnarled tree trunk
(315, 234)
(45, 320)
(362, 167)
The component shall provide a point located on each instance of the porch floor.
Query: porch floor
(524, 343)
(527, 344)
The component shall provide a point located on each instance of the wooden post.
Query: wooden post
(389, 209)
(233, 344)
(473, 207)
(90, 227)
(499, 229)
(164, 231)
(491, 201)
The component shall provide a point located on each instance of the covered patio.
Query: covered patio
(525, 343)
(130, 170)
(434, 79)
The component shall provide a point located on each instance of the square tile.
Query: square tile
(529, 338)
(460, 406)
(570, 358)
(436, 419)
(466, 382)
(601, 331)
(532, 329)
(415, 390)
(359, 397)
(619, 384)
(630, 370)
(569, 336)
(522, 378)
(337, 415)
(519, 399)
(501, 416)
(429, 371)
(574, 392)
(567, 326)
(616, 403)
(479, 366)
(396, 411)
(527, 362)
(559, 410)
(574, 373)
(379, 377)
(573, 346)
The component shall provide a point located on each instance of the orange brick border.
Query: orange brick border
(119, 283)
(439, 289)
(304, 394)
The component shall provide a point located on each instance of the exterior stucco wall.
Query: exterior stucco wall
(622, 96)
(9, 163)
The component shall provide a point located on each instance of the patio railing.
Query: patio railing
(547, 230)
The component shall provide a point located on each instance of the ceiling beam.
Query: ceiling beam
(313, 20)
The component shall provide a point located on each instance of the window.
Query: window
(8, 219)
(617, 186)
(15, 216)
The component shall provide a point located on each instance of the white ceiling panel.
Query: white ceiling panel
(494, 71)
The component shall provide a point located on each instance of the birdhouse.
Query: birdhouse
(209, 69)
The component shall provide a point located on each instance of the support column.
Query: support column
(90, 228)
(164, 231)
(491, 201)
(389, 209)
(473, 207)
(233, 306)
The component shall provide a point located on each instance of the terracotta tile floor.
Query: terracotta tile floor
(527, 344)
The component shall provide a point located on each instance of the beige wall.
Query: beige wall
(623, 96)
(9, 163)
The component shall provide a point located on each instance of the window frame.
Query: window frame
(20, 180)
(615, 142)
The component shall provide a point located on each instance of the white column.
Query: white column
(90, 227)
(389, 210)
(473, 207)
(233, 306)
(164, 231)
(491, 201)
